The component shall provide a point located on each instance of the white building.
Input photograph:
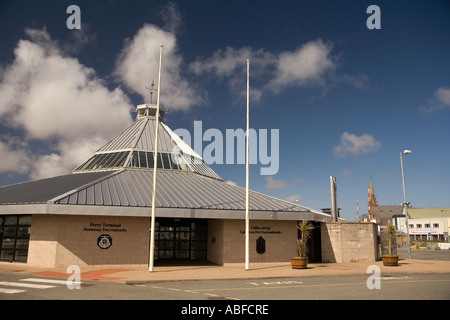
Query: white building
(429, 223)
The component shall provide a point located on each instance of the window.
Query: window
(158, 161)
(104, 160)
(435, 225)
(418, 226)
(151, 159)
(166, 162)
(120, 161)
(142, 159)
(174, 161)
(134, 161)
(14, 237)
(427, 225)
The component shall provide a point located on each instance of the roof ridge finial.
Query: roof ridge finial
(151, 89)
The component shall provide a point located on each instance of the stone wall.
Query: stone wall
(349, 241)
(226, 241)
(215, 241)
(60, 241)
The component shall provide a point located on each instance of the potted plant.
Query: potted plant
(391, 259)
(301, 262)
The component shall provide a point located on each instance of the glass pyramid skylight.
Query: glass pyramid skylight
(134, 149)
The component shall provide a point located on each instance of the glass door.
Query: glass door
(180, 239)
(173, 241)
(182, 242)
(165, 242)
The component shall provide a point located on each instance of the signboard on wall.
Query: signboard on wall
(262, 230)
(105, 227)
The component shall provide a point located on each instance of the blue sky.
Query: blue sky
(346, 99)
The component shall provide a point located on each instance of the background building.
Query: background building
(429, 223)
(424, 223)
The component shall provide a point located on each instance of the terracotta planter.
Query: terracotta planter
(390, 260)
(299, 263)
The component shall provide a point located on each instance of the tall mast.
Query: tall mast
(155, 157)
(247, 222)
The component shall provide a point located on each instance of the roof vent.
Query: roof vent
(149, 110)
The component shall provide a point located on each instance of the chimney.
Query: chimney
(334, 209)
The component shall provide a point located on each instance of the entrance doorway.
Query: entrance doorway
(180, 239)
(314, 243)
(314, 246)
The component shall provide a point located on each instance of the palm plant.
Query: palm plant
(306, 229)
(390, 236)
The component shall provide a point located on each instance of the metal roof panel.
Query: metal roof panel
(43, 190)
(175, 189)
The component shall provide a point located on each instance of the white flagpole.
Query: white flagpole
(152, 228)
(247, 231)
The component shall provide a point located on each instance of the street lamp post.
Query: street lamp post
(405, 204)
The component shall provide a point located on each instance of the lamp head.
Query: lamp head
(407, 152)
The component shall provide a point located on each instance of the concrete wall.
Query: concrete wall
(60, 241)
(348, 241)
(57, 241)
(226, 241)
(215, 240)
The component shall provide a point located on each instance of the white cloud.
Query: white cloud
(224, 63)
(356, 145)
(14, 158)
(300, 181)
(58, 102)
(230, 65)
(69, 153)
(294, 198)
(171, 17)
(347, 173)
(310, 64)
(272, 183)
(138, 64)
(443, 95)
(440, 100)
(231, 182)
(307, 64)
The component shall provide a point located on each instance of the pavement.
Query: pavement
(231, 271)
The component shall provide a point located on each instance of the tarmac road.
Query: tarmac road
(424, 254)
(426, 276)
(348, 287)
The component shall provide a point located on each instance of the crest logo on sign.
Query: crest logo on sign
(104, 241)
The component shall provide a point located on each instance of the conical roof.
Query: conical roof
(120, 176)
(134, 148)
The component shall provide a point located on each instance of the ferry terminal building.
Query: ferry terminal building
(99, 215)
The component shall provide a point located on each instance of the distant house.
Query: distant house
(429, 223)
(385, 214)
